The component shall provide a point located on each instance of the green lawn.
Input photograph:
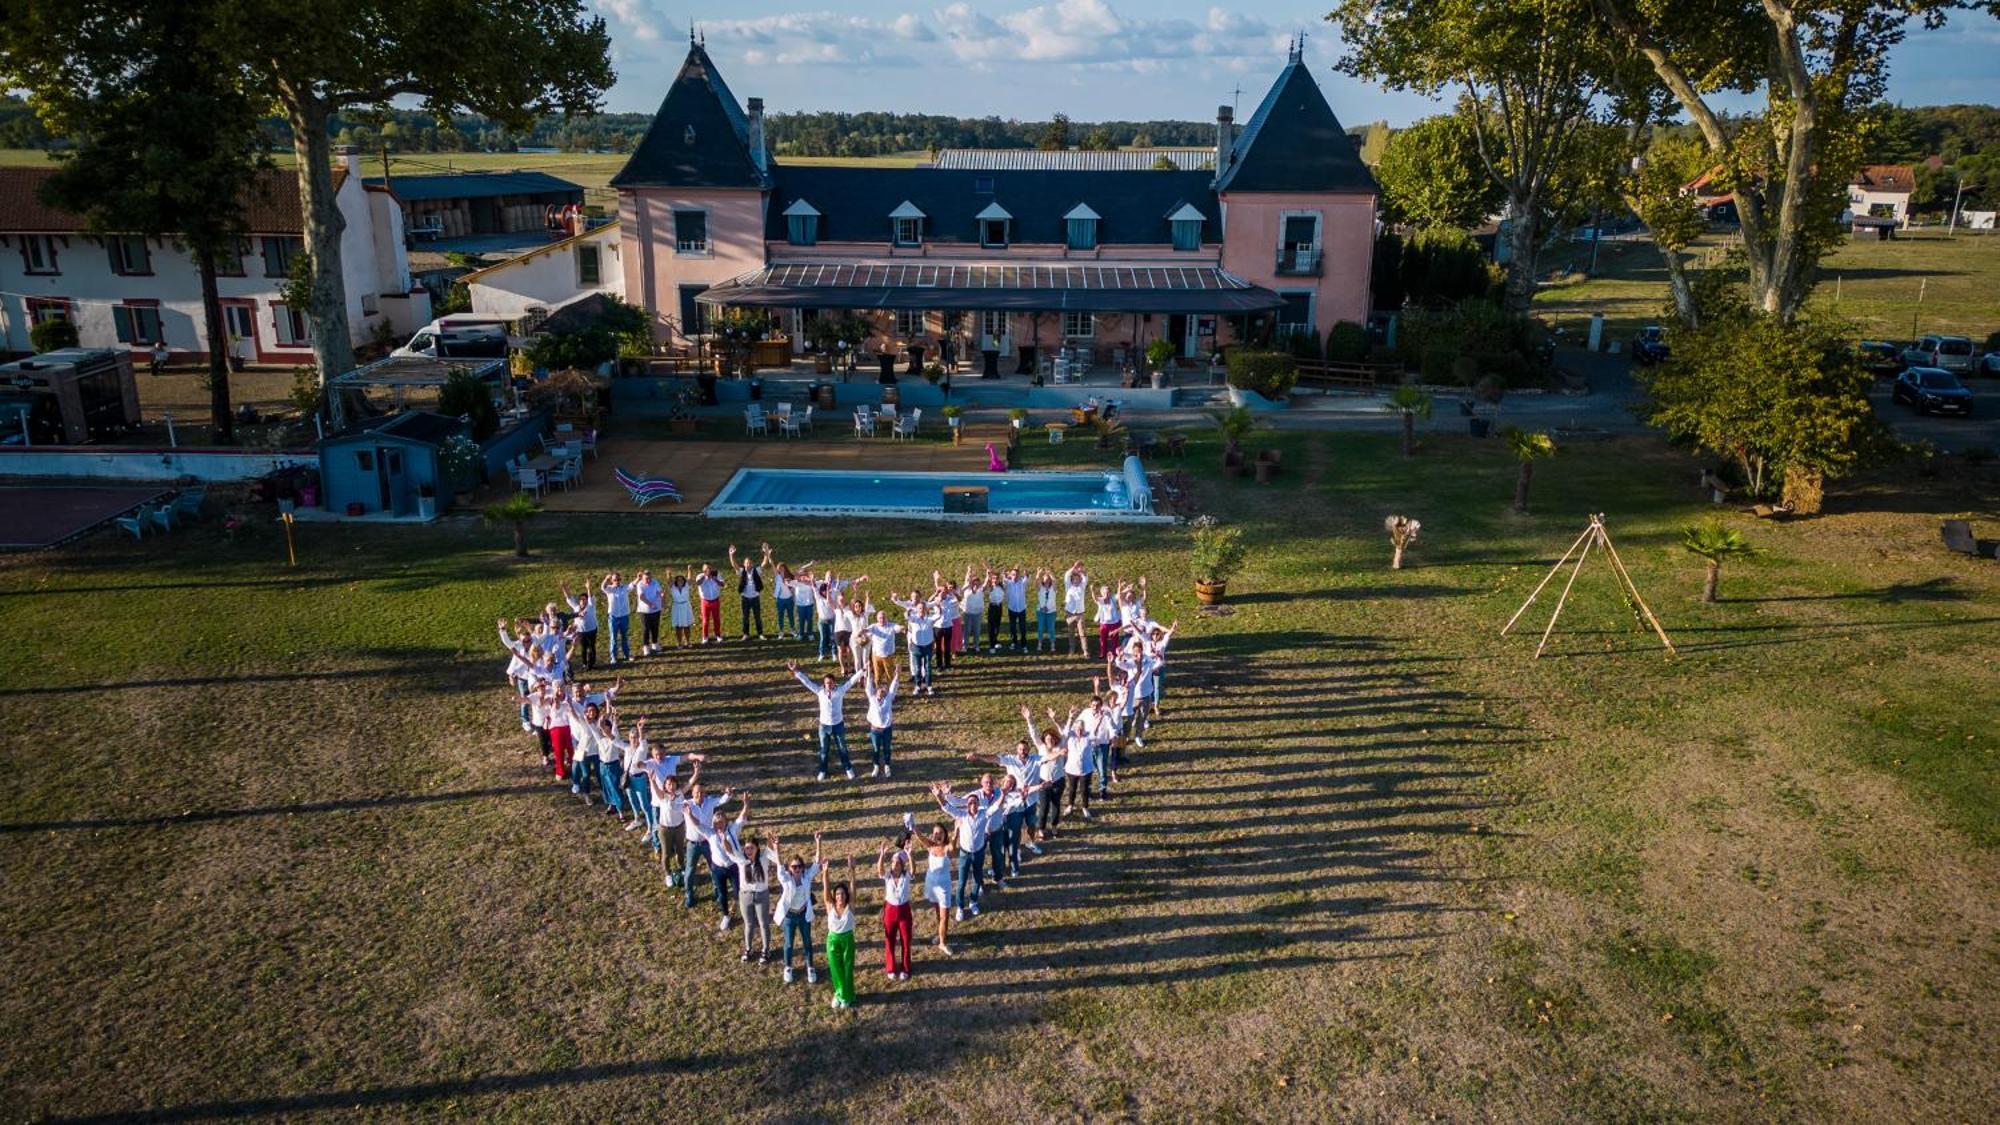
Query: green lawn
(274, 844)
(1876, 284)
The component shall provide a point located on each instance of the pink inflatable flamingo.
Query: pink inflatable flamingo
(994, 462)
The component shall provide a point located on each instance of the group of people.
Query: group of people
(987, 610)
(982, 836)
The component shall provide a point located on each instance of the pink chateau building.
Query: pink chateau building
(1052, 247)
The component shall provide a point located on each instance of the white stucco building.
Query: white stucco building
(1881, 191)
(551, 276)
(132, 291)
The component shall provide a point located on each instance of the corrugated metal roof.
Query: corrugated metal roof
(1073, 160)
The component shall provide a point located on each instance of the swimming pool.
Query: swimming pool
(1099, 496)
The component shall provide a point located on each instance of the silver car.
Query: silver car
(1952, 353)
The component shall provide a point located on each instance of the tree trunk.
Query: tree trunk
(220, 418)
(520, 540)
(1714, 579)
(1521, 252)
(1395, 556)
(1521, 486)
(1682, 287)
(1409, 434)
(333, 350)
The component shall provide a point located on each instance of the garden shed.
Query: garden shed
(385, 464)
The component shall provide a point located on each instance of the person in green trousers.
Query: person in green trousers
(839, 899)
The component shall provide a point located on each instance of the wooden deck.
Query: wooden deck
(701, 468)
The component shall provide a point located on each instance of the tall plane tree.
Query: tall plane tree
(165, 127)
(506, 60)
(1819, 63)
(1526, 74)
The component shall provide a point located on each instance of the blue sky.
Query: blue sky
(1093, 59)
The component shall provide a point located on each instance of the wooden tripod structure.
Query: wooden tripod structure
(1593, 536)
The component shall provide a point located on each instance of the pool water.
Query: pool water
(1098, 495)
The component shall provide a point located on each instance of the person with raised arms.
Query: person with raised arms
(754, 871)
(839, 900)
(698, 816)
(940, 854)
(893, 868)
(650, 598)
(794, 908)
(583, 609)
(881, 723)
(1047, 600)
(974, 822)
(832, 699)
(618, 608)
(1076, 596)
(750, 587)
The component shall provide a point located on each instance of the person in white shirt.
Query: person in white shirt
(923, 625)
(1106, 620)
(972, 612)
(996, 601)
(832, 697)
(698, 815)
(1047, 599)
(1015, 585)
(709, 587)
(893, 868)
(881, 637)
(839, 900)
(750, 588)
(794, 908)
(806, 626)
(974, 822)
(950, 627)
(755, 870)
(940, 849)
(785, 594)
(647, 593)
(618, 607)
(1076, 593)
(1078, 762)
(881, 722)
(584, 608)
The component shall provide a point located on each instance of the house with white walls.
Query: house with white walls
(132, 291)
(1881, 191)
(549, 277)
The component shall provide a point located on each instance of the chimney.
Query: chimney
(757, 153)
(349, 158)
(1225, 138)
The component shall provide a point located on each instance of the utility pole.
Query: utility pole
(1956, 198)
(1922, 283)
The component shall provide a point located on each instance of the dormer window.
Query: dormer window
(907, 224)
(687, 137)
(1082, 223)
(802, 223)
(994, 222)
(1186, 222)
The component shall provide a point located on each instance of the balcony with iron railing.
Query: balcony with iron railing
(1302, 260)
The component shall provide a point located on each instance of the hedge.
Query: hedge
(1271, 374)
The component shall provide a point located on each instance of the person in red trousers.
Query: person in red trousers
(897, 921)
(709, 587)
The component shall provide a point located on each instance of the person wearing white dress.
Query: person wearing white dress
(680, 597)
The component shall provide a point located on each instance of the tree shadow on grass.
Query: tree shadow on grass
(1940, 589)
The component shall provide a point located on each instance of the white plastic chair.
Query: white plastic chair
(864, 422)
(529, 479)
(567, 474)
(788, 424)
(906, 427)
(806, 419)
(754, 421)
(889, 411)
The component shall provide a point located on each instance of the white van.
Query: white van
(459, 337)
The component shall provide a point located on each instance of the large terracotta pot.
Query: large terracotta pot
(1210, 593)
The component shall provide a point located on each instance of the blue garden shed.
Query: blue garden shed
(384, 464)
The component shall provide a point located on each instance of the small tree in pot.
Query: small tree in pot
(953, 415)
(1527, 446)
(1235, 425)
(1402, 532)
(1159, 353)
(1215, 554)
(516, 510)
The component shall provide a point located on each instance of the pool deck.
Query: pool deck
(701, 468)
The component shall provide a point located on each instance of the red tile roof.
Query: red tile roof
(1885, 177)
(273, 209)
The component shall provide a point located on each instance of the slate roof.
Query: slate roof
(476, 185)
(854, 203)
(1075, 159)
(1295, 143)
(719, 153)
(273, 209)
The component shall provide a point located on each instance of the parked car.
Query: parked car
(459, 337)
(1989, 364)
(1880, 358)
(1933, 390)
(1952, 353)
(1650, 346)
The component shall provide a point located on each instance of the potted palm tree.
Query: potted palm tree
(1411, 403)
(1235, 425)
(953, 415)
(1019, 417)
(1159, 353)
(1713, 543)
(1402, 532)
(1215, 554)
(516, 511)
(1527, 446)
